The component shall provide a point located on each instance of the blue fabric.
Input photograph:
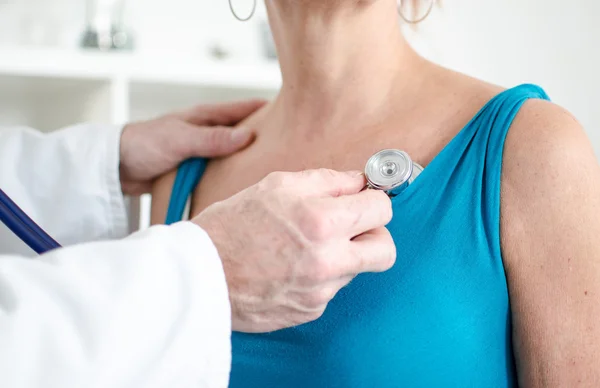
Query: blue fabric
(186, 180)
(441, 316)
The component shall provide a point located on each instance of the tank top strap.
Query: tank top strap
(188, 175)
(480, 140)
(492, 128)
(487, 151)
(497, 117)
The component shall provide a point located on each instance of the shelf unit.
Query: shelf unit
(49, 89)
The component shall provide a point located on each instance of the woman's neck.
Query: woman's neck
(340, 60)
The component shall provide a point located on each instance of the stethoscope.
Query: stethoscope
(389, 170)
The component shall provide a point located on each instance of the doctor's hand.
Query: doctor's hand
(151, 148)
(289, 243)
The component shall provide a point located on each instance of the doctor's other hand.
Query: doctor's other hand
(289, 243)
(151, 148)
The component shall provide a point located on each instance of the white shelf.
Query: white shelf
(49, 89)
(191, 70)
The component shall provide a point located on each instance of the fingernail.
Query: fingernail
(240, 134)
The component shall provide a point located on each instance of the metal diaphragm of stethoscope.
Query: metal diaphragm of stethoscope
(391, 171)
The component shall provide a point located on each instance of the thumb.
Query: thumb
(207, 142)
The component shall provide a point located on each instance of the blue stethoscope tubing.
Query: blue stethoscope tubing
(24, 227)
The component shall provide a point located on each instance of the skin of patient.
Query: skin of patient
(353, 86)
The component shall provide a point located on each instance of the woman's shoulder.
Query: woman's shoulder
(549, 141)
(539, 122)
(550, 180)
(550, 201)
(547, 157)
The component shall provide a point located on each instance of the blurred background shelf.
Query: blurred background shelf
(188, 70)
(48, 102)
(79, 85)
(117, 87)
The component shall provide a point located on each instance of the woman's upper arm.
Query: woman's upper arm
(161, 195)
(551, 248)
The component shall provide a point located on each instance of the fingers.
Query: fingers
(227, 114)
(331, 183)
(353, 215)
(373, 251)
(215, 141)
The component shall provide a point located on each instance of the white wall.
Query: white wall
(194, 25)
(552, 43)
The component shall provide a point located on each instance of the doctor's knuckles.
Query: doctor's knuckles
(281, 241)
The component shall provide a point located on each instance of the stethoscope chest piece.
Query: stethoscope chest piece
(389, 170)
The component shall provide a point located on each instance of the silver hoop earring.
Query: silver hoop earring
(236, 15)
(429, 9)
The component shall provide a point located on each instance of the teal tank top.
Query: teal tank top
(441, 316)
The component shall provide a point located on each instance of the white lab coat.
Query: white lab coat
(148, 310)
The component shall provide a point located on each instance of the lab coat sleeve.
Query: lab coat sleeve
(66, 180)
(148, 311)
